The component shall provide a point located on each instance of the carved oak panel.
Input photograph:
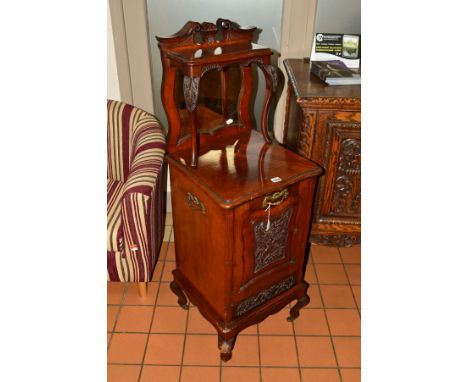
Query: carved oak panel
(270, 244)
(340, 190)
(264, 295)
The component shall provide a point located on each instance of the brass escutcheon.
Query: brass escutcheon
(194, 203)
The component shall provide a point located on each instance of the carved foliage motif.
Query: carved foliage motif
(305, 135)
(191, 92)
(274, 75)
(207, 68)
(265, 295)
(339, 240)
(270, 245)
(347, 190)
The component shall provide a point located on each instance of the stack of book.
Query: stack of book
(334, 72)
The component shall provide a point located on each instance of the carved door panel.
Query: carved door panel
(340, 189)
(268, 256)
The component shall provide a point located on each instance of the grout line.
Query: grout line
(259, 353)
(326, 319)
(242, 335)
(349, 282)
(150, 326)
(117, 316)
(175, 306)
(235, 366)
(184, 341)
(297, 350)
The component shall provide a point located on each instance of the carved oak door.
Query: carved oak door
(341, 188)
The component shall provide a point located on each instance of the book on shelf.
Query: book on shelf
(334, 72)
(336, 46)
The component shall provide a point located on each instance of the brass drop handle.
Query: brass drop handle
(275, 199)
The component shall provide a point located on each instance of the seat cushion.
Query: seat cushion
(114, 221)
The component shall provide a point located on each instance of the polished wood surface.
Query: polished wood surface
(241, 203)
(323, 124)
(238, 172)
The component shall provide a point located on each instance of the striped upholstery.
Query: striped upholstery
(135, 192)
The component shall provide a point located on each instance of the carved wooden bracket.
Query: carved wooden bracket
(274, 76)
(191, 92)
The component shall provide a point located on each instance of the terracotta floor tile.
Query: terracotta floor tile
(280, 374)
(351, 375)
(170, 252)
(158, 271)
(172, 236)
(337, 296)
(166, 296)
(351, 254)
(320, 375)
(169, 319)
(240, 374)
(348, 351)
(331, 274)
(109, 336)
(200, 374)
(122, 373)
(111, 317)
(163, 251)
(315, 299)
(134, 319)
(115, 291)
(245, 352)
(201, 350)
(165, 349)
(278, 351)
(133, 298)
(126, 348)
(309, 275)
(354, 273)
(276, 324)
(199, 324)
(315, 351)
(168, 220)
(160, 373)
(344, 322)
(357, 294)
(250, 330)
(311, 321)
(324, 254)
(169, 266)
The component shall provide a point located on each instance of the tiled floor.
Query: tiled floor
(153, 339)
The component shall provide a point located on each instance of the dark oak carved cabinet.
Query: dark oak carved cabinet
(241, 202)
(323, 124)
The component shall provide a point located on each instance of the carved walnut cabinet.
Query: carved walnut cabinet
(323, 123)
(241, 202)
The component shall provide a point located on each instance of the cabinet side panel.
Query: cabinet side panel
(202, 237)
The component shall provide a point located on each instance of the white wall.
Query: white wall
(113, 90)
(338, 16)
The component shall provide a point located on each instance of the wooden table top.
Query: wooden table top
(237, 171)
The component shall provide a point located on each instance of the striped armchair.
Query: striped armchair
(135, 193)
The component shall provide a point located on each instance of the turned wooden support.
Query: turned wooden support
(301, 302)
(142, 289)
(226, 345)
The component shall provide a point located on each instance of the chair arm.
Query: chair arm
(147, 158)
